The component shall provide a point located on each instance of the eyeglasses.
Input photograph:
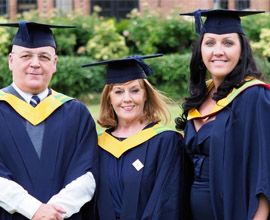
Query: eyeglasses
(42, 57)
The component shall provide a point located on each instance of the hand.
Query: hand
(263, 209)
(49, 212)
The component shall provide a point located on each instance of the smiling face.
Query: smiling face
(128, 101)
(220, 54)
(32, 68)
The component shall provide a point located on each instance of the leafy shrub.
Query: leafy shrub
(171, 74)
(73, 80)
(148, 33)
(84, 29)
(5, 74)
(4, 41)
(253, 25)
(102, 38)
(263, 46)
(70, 78)
(144, 31)
(177, 34)
(106, 42)
(264, 66)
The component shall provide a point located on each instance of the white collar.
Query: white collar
(27, 96)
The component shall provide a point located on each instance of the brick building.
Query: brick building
(119, 8)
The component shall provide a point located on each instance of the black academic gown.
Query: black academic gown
(240, 155)
(69, 150)
(153, 192)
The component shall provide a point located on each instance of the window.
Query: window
(224, 4)
(3, 7)
(115, 8)
(242, 4)
(221, 4)
(26, 5)
(64, 5)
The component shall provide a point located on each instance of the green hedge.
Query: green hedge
(70, 78)
(171, 75)
(75, 81)
(102, 38)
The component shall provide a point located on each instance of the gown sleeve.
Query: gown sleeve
(258, 168)
(240, 155)
(75, 194)
(85, 157)
(13, 197)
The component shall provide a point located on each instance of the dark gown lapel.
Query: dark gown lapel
(216, 162)
(49, 153)
(22, 141)
(132, 190)
(103, 199)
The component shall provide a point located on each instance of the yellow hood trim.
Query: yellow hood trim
(117, 148)
(194, 113)
(38, 114)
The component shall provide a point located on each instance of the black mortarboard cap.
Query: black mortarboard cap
(33, 35)
(220, 21)
(126, 69)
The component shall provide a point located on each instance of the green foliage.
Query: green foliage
(5, 74)
(106, 38)
(73, 80)
(264, 66)
(4, 41)
(65, 43)
(145, 32)
(106, 42)
(70, 78)
(122, 25)
(177, 34)
(263, 46)
(84, 29)
(152, 33)
(253, 25)
(171, 74)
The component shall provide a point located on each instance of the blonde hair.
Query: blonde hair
(155, 107)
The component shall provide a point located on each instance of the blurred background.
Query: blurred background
(111, 29)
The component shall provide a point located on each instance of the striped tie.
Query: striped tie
(34, 100)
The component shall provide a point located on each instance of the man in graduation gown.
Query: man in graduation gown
(47, 151)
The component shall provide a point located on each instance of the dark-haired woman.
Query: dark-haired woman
(226, 123)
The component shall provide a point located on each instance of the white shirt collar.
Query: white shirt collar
(27, 96)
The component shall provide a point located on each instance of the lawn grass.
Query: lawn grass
(174, 109)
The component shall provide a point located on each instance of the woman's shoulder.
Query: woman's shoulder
(253, 99)
(170, 135)
(256, 91)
